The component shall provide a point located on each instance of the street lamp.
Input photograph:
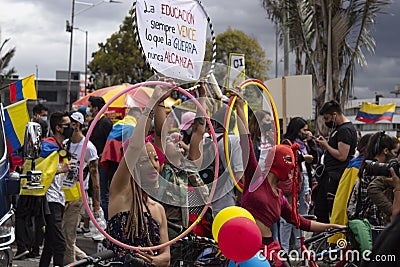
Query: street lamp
(86, 55)
(70, 28)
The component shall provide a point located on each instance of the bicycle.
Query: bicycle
(196, 250)
(99, 259)
(317, 250)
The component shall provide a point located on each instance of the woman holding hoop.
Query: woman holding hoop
(134, 218)
(262, 197)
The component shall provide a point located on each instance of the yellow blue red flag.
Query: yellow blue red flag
(16, 118)
(371, 113)
(23, 89)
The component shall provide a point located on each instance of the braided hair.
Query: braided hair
(136, 224)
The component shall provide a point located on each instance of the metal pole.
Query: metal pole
(86, 52)
(37, 82)
(276, 49)
(68, 100)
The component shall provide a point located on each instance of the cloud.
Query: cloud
(37, 29)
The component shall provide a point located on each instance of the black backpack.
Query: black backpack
(208, 164)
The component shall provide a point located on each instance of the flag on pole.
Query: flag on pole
(16, 117)
(23, 89)
(371, 113)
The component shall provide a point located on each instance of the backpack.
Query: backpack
(353, 207)
(208, 164)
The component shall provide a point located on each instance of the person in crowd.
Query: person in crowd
(98, 138)
(186, 128)
(339, 149)
(262, 135)
(226, 195)
(40, 111)
(40, 114)
(297, 132)
(262, 197)
(54, 242)
(29, 219)
(386, 252)
(135, 218)
(178, 172)
(381, 148)
(346, 184)
(74, 203)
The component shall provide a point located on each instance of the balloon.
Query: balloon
(257, 260)
(239, 239)
(226, 214)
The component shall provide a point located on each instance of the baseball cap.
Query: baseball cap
(77, 116)
(187, 120)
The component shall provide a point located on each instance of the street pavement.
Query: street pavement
(86, 244)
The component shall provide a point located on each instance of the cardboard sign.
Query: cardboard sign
(173, 36)
(236, 70)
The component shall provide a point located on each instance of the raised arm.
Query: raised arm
(160, 117)
(136, 144)
(199, 127)
(243, 126)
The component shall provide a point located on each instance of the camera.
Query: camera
(382, 169)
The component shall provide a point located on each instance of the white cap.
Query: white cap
(77, 116)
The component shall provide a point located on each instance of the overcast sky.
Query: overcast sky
(37, 30)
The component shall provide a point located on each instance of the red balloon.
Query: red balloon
(239, 239)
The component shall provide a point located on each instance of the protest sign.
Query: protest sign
(236, 70)
(172, 34)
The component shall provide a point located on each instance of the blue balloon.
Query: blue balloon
(257, 260)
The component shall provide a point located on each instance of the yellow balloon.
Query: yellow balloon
(227, 214)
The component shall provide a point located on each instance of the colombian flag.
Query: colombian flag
(16, 118)
(371, 113)
(120, 132)
(23, 89)
(346, 184)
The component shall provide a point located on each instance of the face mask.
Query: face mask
(266, 127)
(67, 133)
(189, 131)
(44, 118)
(389, 156)
(302, 136)
(331, 124)
(88, 111)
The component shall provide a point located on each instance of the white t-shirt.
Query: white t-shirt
(75, 150)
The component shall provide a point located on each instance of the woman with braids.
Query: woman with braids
(261, 195)
(134, 218)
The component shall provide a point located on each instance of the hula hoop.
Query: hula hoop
(90, 130)
(139, 43)
(228, 113)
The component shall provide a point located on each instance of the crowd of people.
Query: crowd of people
(150, 178)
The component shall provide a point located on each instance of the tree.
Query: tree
(5, 59)
(333, 35)
(119, 59)
(235, 41)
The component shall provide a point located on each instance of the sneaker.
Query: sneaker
(82, 230)
(98, 237)
(89, 234)
(20, 254)
(33, 254)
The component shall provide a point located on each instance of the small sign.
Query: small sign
(236, 70)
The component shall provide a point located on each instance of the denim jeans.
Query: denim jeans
(286, 229)
(104, 190)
